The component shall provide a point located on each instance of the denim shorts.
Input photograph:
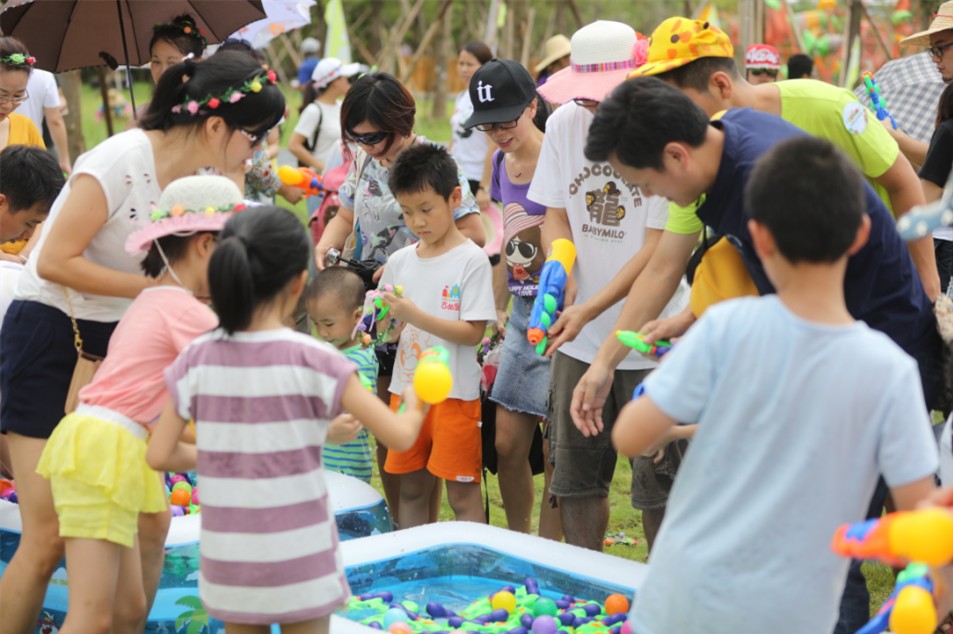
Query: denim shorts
(522, 379)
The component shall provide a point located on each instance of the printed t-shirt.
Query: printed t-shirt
(522, 242)
(608, 219)
(456, 286)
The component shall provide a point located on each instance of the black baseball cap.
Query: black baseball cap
(500, 90)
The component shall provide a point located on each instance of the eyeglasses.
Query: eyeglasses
(254, 138)
(937, 50)
(757, 72)
(586, 103)
(16, 101)
(371, 138)
(489, 127)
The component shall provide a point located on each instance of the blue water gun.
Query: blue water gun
(551, 293)
(909, 609)
(878, 104)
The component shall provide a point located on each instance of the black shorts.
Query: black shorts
(37, 357)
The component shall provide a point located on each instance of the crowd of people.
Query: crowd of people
(167, 316)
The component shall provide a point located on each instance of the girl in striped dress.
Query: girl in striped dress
(262, 396)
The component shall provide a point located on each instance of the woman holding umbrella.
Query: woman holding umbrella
(212, 114)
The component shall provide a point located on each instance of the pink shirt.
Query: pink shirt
(159, 324)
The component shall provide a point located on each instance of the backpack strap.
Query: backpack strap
(317, 130)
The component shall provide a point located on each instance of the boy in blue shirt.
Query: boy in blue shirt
(799, 408)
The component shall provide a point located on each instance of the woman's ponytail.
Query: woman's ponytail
(231, 284)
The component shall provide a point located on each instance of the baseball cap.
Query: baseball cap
(762, 56)
(678, 41)
(500, 90)
(331, 68)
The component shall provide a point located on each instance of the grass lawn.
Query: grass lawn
(623, 518)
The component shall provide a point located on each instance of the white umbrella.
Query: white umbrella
(282, 16)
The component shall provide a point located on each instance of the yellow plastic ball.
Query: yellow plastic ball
(432, 382)
(925, 535)
(504, 600)
(913, 612)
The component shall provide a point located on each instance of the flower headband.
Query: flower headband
(188, 28)
(178, 210)
(232, 95)
(18, 59)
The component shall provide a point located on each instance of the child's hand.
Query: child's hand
(401, 308)
(344, 428)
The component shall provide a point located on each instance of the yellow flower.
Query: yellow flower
(210, 211)
(255, 86)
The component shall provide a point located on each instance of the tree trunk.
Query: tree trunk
(444, 65)
(72, 84)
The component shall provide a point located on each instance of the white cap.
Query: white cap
(310, 46)
(331, 68)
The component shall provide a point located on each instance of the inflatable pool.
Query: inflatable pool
(358, 508)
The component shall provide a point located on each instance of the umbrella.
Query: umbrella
(67, 34)
(281, 16)
(911, 88)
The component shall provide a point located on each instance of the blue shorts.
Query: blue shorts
(522, 380)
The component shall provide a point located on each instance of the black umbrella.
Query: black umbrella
(67, 34)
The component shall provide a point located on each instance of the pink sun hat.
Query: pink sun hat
(187, 206)
(602, 55)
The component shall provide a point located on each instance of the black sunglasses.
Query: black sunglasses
(757, 72)
(371, 138)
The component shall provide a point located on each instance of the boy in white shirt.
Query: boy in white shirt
(447, 300)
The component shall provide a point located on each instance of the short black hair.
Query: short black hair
(800, 65)
(637, 121)
(173, 247)
(381, 100)
(28, 176)
(340, 281)
(695, 75)
(182, 33)
(424, 166)
(810, 196)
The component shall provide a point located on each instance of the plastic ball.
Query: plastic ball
(13, 498)
(399, 627)
(616, 603)
(195, 496)
(436, 610)
(180, 497)
(394, 615)
(177, 511)
(914, 612)
(432, 382)
(626, 627)
(545, 605)
(545, 624)
(178, 478)
(504, 600)
(182, 485)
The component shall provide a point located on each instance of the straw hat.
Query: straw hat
(603, 53)
(189, 205)
(942, 21)
(679, 41)
(556, 47)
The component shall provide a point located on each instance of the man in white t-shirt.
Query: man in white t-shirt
(44, 102)
(615, 228)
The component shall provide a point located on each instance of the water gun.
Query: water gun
(552, 290)
(923, 537)
(303, 178)
(635, 340)
(374, 315)
(878, 104)
(433, 380)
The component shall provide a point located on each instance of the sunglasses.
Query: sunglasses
(757, 72)
(489, 127)
(586, 103)
(371, 138)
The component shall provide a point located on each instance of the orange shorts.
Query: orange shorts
(449, 445)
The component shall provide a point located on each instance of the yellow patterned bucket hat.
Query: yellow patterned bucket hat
(678, 41)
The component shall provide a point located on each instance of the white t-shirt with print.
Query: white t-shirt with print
(457, 286)
(329, 117)
(607, 217)
(469, 146)
(124, 167)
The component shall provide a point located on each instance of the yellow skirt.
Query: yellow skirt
(100, 479)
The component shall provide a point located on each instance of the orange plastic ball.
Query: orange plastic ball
(616, 604)
(399, 627)
(180, 497)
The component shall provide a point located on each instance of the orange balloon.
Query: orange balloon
(180, 497)
(616, 604)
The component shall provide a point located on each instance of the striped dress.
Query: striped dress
(262, 402)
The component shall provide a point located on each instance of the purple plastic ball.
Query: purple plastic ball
(526, 620)
(177, 511)
(545, 624)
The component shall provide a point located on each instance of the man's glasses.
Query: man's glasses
(489, 127)
(757, 72)
(586, 103)
(937, 50)
(16, 101)
(371, 138)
